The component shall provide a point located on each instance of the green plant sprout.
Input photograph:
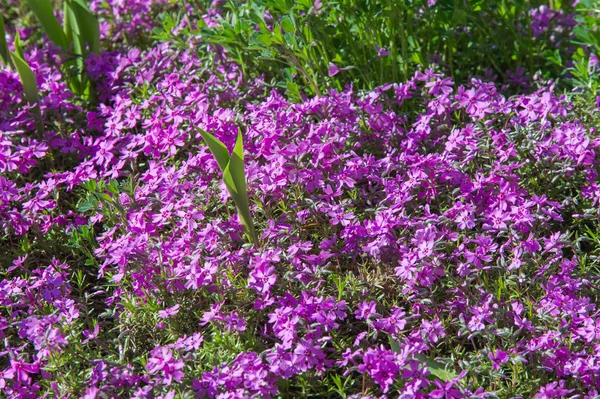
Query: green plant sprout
(232, 167)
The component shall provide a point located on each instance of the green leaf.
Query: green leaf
(237, 173)
(45, 14)
(217, 148)
(288, 25)
(236, 165)
(264, 39)
(277, 36)
(28, 79)
(233, 176)
(18, 47)
(113, 187)
(394, 345)
(86, 206)
(67, 22)
(438, 369)
(4, 53)
(89, 30)
(90, 185)
(293, 91)
(104, 197)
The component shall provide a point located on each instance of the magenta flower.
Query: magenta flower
(498, 358)
(381, 365)
(366, 310)
(168, 312)
(262, 278)
(161, 361)
(333, 69)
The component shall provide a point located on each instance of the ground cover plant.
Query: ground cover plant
(291, 200)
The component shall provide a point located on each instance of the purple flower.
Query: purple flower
(161, 360)
(445, 390)
(262, 278)
(381, 52)
(381, 364)
(366, 310)
(168, 312)
(333, 69)
(498, 358)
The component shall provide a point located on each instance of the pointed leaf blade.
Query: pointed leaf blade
(67, 21)
(89, 30)
(236, 165)
(238, 176)
(241, 203)
(45, 14)
(4, 53)
(18, 47)
(217, 148)
(28, 79)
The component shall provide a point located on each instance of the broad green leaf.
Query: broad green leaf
(288, 25)
(45, 14)
(277, 36)
(113, 187)
(4, 53)
(104, 196)
(28, 79)
(438, 369)
(233, 176)
(86, 206)
(90, 185)
(217, 148)
(230, 183)
(264, 39)
(394, 345)
(293, 91)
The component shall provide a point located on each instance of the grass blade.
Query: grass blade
(45, 14)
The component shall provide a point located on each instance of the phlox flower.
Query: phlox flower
(366, 310)
(162, 361)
